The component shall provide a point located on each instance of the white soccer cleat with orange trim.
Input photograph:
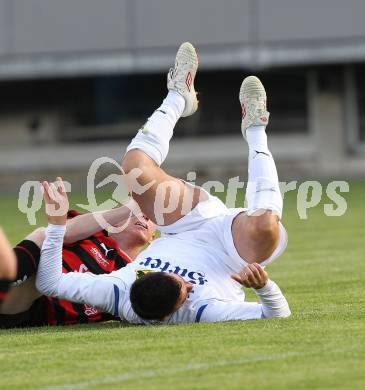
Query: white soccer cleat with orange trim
(253, 103)
(181, 77)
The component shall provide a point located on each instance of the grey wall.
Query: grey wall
(49, 26)
(42, 26)
(68, 37)
(5, 28)
(212, 22)
(288, 20)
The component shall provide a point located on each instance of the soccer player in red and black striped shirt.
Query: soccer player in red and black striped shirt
(86, 249)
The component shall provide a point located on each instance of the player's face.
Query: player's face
(140, 230)
(186, 288)
(144, 227)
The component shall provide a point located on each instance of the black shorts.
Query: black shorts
(36, 315)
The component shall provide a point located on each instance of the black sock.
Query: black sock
(27, 255)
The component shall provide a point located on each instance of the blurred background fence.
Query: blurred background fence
(79, 77)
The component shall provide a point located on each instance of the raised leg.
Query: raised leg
(163, 198)
(256, 233)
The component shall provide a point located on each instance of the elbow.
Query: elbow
(285, 313)
(40, 287)
(45, 288)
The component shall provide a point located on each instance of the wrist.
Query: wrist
(57, 220)
(265, 288)
(56, 228)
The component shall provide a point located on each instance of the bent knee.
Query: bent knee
(136, 158)
(256, 237)
(264, 229)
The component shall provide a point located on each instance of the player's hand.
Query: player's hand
(252, 276)
(56, 202)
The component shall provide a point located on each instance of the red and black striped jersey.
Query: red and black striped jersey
(98, 254)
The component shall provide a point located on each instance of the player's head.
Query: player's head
(156, 295)
(139, 231)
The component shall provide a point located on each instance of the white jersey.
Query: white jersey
(198, 264)
(205, 264)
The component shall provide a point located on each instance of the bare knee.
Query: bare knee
(264, 229)
(139, 174)
(129, 162)
(255, 237)
(137, 159)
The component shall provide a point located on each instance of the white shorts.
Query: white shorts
(211, 222)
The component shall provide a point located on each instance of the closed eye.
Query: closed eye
(141, 224)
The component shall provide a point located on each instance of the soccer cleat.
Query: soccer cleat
(253, 103)
(181, 77)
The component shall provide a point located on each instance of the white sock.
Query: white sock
(154, 137)
(262, 192)
(257, 139)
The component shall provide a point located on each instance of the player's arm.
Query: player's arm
(272, 301)
(100, 291)
(86, 225)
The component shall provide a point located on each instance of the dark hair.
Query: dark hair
(154, 295)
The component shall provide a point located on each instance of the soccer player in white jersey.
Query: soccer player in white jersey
(195, 271)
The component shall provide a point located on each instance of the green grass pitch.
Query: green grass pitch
(322, 345)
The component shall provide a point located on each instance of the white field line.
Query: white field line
(115, 379)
